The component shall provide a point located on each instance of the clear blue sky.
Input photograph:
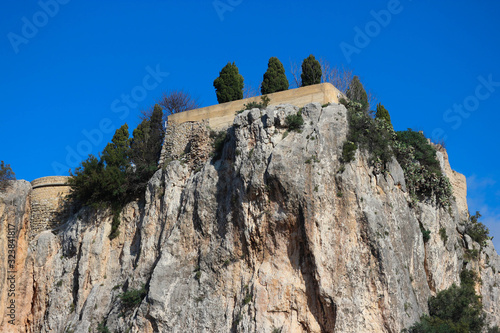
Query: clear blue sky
(67, 70)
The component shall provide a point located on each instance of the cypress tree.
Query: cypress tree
(229, 84)
(383, 114)
(357, 93)
(311, 71)
(274, 78)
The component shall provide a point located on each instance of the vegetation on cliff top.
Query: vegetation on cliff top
(274, 79)
(423, 174)
(229, 84)
(311, 71)
(477, 230)
(123, 169)
(6, 175)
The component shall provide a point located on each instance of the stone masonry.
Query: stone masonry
(47, 199)
(190, 142)
(221, 116)
(187, 136)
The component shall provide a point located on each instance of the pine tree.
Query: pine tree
(156, 134)
(383, 114)
(311, 71)
(274, 78)
(87, 182)
(357, 93)
(117, 151)
(229, 84)
(138, 145)
(116, 156)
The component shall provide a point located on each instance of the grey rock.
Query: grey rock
(277, 236)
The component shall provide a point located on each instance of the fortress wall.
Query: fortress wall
(222, 115)
(189, 129)
(47, 197)
(188, 141)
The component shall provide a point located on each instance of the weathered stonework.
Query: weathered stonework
(190, 142)
(47, 198)
(187, 133)
(221, 116)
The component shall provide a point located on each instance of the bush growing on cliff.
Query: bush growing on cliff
(145, 149)
(133, 297)
(416, 156)
(348, 151)
(372, 135)
(229, 84)
(423, 174)
(477, 230)
(274, 78)
(311, 71)
(102, 328)
(454, 310)
(383, 114)
(264, 102)
(357, 93)
(423, 152)
(122, 171)
(219, 140)
(6, 175)
(294, 121)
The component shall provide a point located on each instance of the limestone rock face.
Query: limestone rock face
(275, 234)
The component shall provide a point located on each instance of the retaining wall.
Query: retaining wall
(222, 115)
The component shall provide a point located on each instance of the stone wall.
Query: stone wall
(190, 142)
(187, 136)
(222, 115)
(47, 198)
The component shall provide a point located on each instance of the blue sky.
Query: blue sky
(68, 66)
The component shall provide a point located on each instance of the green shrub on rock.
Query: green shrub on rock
(457, 309)
(423, 174)
(357, 93)
(383, 114)
(133, 297)
(477, 230)
(294, 121)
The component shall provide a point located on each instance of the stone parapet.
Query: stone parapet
(47, 198)
(222, 115)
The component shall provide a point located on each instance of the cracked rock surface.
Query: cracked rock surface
(275, 234)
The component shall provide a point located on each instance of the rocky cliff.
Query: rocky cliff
(275, 236)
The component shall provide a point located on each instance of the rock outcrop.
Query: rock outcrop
(275, 236)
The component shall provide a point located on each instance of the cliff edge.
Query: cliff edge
(273, 236)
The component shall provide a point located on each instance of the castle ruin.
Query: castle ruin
(47, 198)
